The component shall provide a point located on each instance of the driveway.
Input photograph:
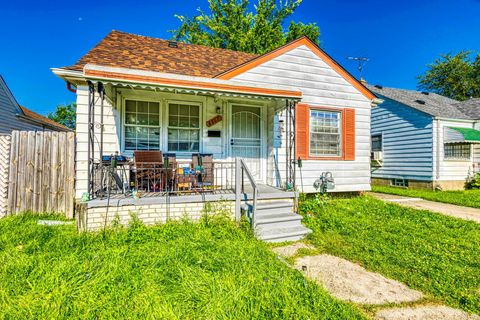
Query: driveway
(465, 213)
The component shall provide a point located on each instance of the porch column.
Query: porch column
(290, 144)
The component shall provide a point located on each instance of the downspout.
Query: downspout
(70, 88)
(437, 170)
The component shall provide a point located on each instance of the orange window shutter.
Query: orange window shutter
(302, 119)
(349, 134)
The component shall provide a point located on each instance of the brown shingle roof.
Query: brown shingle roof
(43, 120)
(125, 50)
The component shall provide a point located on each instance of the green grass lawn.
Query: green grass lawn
(468, 198)
(208, 270)
(435, 254)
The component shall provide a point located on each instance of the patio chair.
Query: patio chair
(203, 163)
(148, 169)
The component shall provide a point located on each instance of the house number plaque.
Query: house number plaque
(214, 121)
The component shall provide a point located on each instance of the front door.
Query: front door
(246, 139)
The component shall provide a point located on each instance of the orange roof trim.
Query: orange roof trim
(290, 46)
(193, 84)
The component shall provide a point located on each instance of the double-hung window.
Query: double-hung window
(377, 142)
(142, 125)
(183, 127)
(325, 133)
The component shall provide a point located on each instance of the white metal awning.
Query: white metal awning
(185, 84)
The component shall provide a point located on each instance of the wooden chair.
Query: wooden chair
(148, 166)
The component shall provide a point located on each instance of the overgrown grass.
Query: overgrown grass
(208, 270)
(468, 198)
(435, 254)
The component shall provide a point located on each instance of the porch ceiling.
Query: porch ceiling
(185, 84)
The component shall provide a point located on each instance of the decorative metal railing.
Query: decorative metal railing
(151, 179)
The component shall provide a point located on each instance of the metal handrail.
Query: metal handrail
(241, 168)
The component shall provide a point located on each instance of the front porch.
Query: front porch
(217, 143)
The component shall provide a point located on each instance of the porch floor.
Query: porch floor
(265, 192)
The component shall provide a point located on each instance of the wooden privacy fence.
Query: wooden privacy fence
(41, 172)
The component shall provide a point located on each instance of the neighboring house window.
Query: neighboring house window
(400, 183)
(377, 142)
(183, 127)
(457, 151)
(142, 125)
(325, 133)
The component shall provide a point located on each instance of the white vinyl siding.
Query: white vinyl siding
(9, 109)
(407, 142)
(451, 169)
(321, 85)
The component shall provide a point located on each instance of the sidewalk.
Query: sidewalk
(465, 213)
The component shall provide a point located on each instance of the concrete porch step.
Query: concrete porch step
(279, 216)
(284, 234)
(274, 205)
(276, 221)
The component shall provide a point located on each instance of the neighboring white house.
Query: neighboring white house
(424, 140)
(186, 99)
(16, 117)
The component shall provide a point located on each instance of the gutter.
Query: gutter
(453, 119)
(437, 170)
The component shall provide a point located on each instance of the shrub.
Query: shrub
(473, 182)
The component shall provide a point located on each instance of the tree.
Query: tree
(65, 115)
(231, 25)
(454, 76)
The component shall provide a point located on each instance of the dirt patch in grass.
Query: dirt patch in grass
(292, 249)
(349, 281)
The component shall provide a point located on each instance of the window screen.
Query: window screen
(325, 133)
(460, 151)
(142, 125)
(183, 127)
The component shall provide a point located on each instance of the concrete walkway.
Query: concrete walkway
(464, 213)
(351, 282)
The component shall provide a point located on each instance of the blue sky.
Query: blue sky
(399, 37)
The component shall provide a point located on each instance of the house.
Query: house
(183, 99)
(424, 140)
(17, 117)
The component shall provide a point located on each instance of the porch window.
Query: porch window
(325, 133)
(183, 127)
(457, 151)
(142, 125)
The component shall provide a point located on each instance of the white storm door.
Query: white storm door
(246, 137)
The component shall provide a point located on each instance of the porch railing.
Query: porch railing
(242, 171)
(151, 179)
